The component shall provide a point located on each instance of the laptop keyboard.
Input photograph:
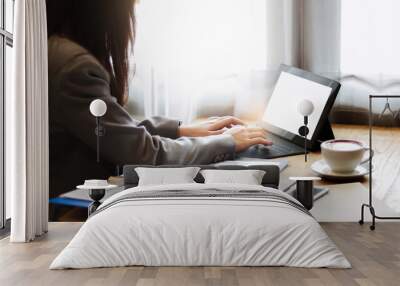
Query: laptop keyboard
(280, 148)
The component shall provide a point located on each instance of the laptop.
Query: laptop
(282, 120)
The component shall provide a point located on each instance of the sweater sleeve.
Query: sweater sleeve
(162, 126)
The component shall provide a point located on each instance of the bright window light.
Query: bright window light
(370, 42)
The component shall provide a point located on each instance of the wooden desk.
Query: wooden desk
(387, 155)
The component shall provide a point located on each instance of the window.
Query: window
(369, 57)
(370, 37)
(6, 65)
(213, 51)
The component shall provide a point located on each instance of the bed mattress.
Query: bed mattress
(201, 225)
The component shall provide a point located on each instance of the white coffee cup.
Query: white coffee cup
(343, 156)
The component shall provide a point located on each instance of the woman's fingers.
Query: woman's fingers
(228, 121)
(244, 138)
(256, 129)
(235, 120)
(259, 133)
(216, 132)
(259, 140)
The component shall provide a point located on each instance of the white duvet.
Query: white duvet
(200, 231)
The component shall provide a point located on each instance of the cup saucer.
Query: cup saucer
(321, 168)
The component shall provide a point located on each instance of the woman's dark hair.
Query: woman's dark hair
(106, 28)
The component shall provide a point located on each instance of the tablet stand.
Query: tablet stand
(325, 134)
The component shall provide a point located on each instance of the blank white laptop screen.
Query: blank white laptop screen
(289, 91)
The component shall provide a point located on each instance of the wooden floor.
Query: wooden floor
(375, 257)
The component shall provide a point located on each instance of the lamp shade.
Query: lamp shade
(98, 108)
(305, 107)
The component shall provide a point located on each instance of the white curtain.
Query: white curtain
(27, 124)
(321, 36)
(357, 43)
(370, 45)
(200, 58)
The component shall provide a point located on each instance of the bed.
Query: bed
(201, 224)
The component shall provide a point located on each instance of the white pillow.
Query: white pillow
(248, 177)
(166, 176)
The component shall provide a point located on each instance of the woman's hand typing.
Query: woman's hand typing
(246, 137)
(212, 126)
(243, 136)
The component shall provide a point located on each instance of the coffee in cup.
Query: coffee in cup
(341, 155)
